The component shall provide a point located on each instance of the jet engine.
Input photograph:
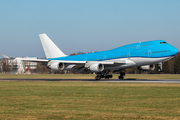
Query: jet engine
(96, 67)
(147, 67)
(57, 66)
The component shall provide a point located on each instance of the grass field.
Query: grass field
(92, 76)
(82, 100)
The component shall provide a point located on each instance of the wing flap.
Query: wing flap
(70, 62)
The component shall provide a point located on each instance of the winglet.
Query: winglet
(50, 49)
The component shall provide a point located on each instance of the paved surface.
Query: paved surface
(92, 80)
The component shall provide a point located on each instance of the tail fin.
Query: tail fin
(50, 49)
(5, 56)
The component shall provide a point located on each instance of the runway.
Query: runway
(92, 80)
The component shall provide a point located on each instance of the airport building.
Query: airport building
(17, 66)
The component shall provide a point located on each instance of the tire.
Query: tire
(110, 76)
(97, 78)
(121, 77)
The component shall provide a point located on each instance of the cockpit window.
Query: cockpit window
(163, 42)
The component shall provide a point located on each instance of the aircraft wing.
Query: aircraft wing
(91, 62)
(80, 66)
(86, 63)
(34, 60)
(107, 62)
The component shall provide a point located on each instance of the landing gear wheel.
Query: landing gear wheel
(121, 77)
(122, 74)
(110, 76)
(106, 77)
(97, 78)
(101, 75)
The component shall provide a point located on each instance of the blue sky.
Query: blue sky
(85, 25)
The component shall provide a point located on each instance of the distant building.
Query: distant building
(18, 66)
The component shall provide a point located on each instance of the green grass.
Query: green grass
(82, 100)
(92, 76)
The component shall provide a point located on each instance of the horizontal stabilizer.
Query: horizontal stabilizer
(33, 60)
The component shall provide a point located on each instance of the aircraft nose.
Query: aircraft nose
(175, 51)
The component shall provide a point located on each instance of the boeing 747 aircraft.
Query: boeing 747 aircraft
(143, 55)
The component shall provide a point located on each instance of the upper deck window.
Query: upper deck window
(163, 42)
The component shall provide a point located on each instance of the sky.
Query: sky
(85, 25)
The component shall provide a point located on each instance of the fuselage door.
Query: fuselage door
(105, 57)
(138, 46)
(149, 53)
(128, 55)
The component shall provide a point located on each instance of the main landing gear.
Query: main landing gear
(107, 76)
(122, 74)
(103, 75)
